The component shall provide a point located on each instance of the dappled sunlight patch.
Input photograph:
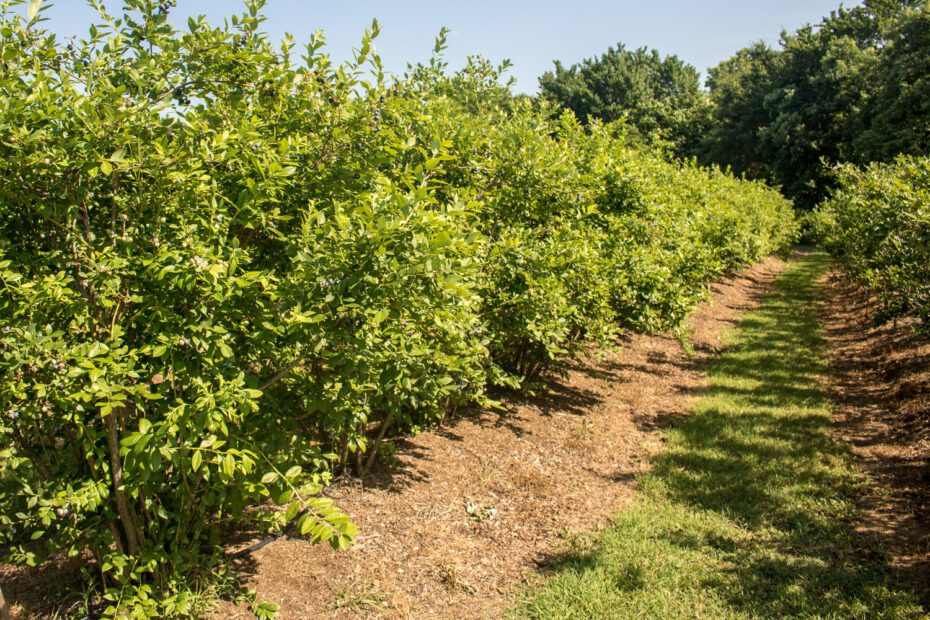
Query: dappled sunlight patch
(748, 512)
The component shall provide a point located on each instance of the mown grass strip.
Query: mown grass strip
(749, 512)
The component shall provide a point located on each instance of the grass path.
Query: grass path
(748, 513)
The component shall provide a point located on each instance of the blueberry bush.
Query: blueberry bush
(230, 267)
(877, 222)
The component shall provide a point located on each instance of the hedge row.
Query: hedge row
(227, 272)
(878, 223)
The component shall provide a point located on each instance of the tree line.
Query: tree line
(854, 88)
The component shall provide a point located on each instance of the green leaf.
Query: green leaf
(292, 511)
(265, 610)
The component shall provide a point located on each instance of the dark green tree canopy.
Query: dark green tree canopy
(852, 89)
(660, 96)
(739, 87)
(899, 113)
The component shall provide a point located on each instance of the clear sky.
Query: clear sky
(530, 34)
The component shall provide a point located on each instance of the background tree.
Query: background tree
(898, 113)
(739, 87)
(851, 89)
(660, 96)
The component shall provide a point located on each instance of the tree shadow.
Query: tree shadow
(554, 396)
(757, 455)
(45, 591)
(882, 388)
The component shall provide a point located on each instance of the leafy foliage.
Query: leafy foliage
(228, 272)
(878, 223)
(661, 97)
(852, 89)
(898, 113)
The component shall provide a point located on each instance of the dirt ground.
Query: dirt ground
(882, 389)
(471, 511)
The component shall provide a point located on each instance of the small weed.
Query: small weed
(581, 433)
(452, 577)
(361, 597)
(478, 513)
(487, 475)
(387, 453)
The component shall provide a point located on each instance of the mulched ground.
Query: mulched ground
(473, 510)
(882, 389)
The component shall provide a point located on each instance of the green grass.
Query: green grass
(749, 511)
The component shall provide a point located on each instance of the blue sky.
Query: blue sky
(530, 34)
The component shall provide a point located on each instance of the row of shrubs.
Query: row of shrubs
(226, 273)
(877, 222)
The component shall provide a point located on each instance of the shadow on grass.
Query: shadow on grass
(749, 512)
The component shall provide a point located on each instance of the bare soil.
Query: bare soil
(471, 511)
(882, 390)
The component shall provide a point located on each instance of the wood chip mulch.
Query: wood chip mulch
(882, 389)
(473, 510)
